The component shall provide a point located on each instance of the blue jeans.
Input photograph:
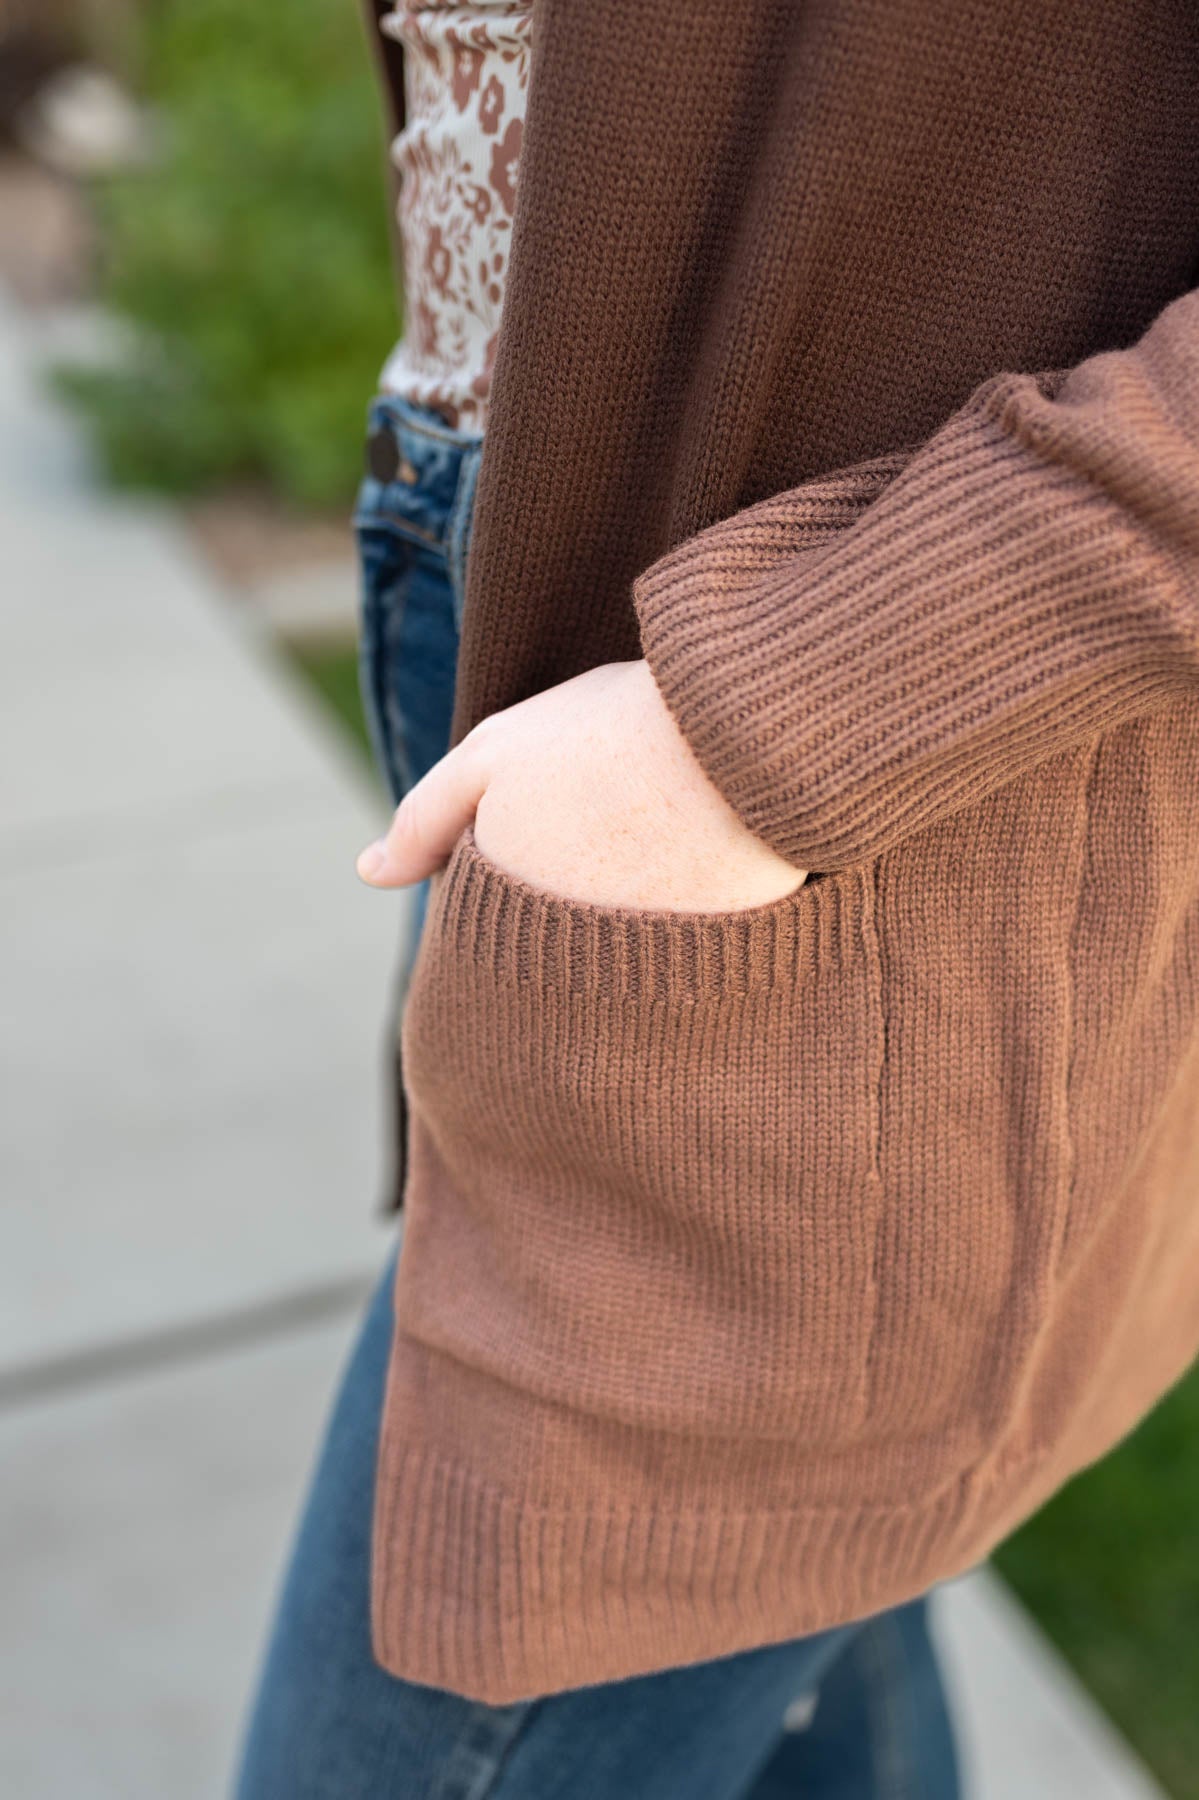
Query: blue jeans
(413, 532)
(857, 1713)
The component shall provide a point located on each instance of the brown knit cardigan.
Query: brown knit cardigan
(762, 1269)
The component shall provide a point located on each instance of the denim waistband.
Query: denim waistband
(420, 479)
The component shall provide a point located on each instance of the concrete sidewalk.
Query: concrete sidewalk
(194, 989)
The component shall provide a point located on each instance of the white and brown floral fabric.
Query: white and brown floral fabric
(465, 76)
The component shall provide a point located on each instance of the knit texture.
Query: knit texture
(762, 1269)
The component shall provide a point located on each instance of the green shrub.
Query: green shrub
(251, 257)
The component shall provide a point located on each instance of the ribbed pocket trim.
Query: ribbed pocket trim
(523, 934)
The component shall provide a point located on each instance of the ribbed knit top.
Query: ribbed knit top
(763, 1269)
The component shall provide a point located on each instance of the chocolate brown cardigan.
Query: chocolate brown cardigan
(762, 1269)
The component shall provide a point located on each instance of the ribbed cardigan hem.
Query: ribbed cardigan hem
(492, 1596)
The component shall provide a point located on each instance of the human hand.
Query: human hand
(589, 791)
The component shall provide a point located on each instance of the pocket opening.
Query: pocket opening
(529, 934)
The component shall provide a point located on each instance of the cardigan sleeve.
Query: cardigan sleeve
(868, 653)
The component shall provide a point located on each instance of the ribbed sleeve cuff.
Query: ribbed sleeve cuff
(854, 659)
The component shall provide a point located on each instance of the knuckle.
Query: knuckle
(481, 737)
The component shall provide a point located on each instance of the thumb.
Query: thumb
(428, 821)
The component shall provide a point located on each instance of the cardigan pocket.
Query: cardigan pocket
(644, 1175)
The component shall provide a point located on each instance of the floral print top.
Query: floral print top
(466, 69)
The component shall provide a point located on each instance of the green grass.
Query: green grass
(1110, 1568)
(251, 258)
